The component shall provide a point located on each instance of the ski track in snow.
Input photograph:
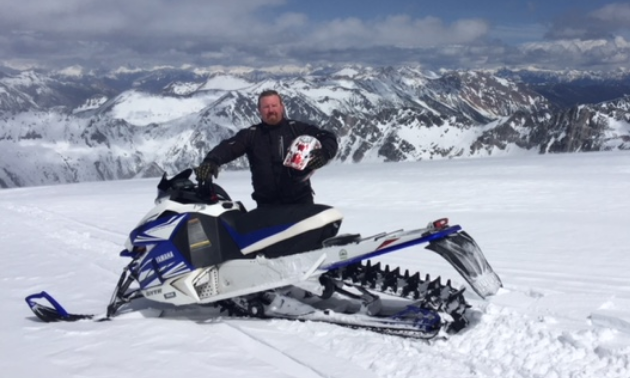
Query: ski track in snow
(74, 233)
(297, 356)
(265, 352)
(553, 227)
(71, 242)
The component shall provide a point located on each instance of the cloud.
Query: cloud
(395, 31)
(615, 15)
(155, 30)
(610, 53)
(604, 22)
(260, 32)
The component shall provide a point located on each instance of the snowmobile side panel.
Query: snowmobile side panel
(235, 278)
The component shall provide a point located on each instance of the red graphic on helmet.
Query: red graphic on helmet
(299, 151)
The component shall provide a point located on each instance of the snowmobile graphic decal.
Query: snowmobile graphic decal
(157, 230)
(386, 243)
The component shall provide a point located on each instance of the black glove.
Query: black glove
(319, 158)
(206, 170)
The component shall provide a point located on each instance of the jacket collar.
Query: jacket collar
(266, 126)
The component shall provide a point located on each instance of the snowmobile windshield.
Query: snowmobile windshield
(161, 196)
(178, 185)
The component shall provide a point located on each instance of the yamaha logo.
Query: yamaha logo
(164, 257)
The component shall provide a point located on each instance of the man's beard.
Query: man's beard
(272, 118)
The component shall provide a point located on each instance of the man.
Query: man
(265, 145)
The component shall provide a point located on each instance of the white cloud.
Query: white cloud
(611, 19)
(261, 32)
(581, 53)
(398, 31)
(138, 17)
(617, 13)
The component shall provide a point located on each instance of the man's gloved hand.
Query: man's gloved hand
(319, 158)
(206, 170)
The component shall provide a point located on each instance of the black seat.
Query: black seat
(282, 230)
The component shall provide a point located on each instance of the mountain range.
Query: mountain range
(77, 125)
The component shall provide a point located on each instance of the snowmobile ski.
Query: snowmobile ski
(55, 313)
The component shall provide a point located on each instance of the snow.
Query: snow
(617, 127)
(76, 71)
(226, 83)
(553, 227)
(184, 89)
(347, 71)
(92, 103)
(142, 109)
(26, 79)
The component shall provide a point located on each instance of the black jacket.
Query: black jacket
(266, 147)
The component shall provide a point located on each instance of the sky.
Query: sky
(450, 34)
(554, 228)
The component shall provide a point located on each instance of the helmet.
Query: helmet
(298, 155)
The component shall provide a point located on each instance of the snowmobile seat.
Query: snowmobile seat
(282, 230)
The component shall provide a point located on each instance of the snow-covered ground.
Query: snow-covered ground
(555, 228)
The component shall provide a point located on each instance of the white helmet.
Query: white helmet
(298, 155)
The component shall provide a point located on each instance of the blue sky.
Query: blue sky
(558, 34)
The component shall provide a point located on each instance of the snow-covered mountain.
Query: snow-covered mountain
(571, 87)
(73, 125)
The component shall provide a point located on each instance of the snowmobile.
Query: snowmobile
(198, 247)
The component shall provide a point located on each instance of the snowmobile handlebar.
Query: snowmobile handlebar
(181, 188)
(206, 190)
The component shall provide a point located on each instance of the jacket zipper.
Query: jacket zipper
(281, 148)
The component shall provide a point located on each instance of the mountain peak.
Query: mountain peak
(75, 125)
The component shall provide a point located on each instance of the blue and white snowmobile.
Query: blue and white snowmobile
(198, 247)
